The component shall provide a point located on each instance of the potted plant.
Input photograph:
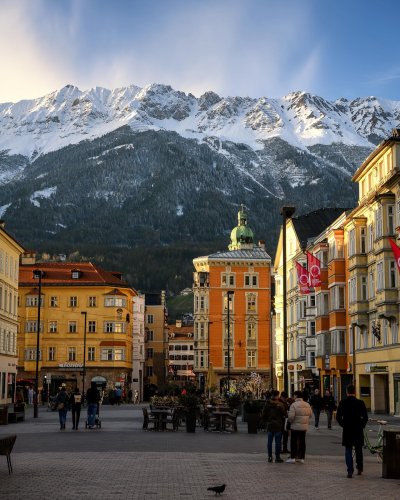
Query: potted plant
(252, 410)
(189, 403)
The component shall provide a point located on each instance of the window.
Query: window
(92, 301)
(390, 215)
(371, 294)
(226, 359)
(72, 326)
(392, 274)
(30, 354)
(311, 300)
(149, 371)
(251, 302)
(301, 309)
(364, 288)
(380, 283)
(251, 331)
(311, 328)
(352, 242)
(53, 301)
(227, 279)
(378, 223)
(119, 354)
(352, 290)
(114, 327)
(91, 354)
(363, 240)
(202, 302)
(338, 342)
(227, 299)
(91, 326)
(398, 213)
(370, 237)
(150, 335)
(150, 319)
(385, 332)
(71, 353)
(394, 327)
(149, 353)
(322, 304)
(73, 302)
(31, 326)
(32, 301)
(201, 331)
(251, 359)
(114, 302)
(52, 353)
(75, 275)
(337, 297)
(251, 280)
(53, 326)
(106, 354)
(301, 347)
(311, 358)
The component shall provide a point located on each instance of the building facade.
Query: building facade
(180, 353)
(85, 326)
(138, 359)
(156, 344)
(232, 310)
(373, 280)
(10, 251)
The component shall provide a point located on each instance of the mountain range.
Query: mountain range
(109, 172)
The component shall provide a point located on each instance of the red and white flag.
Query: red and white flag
(302, 279)
(314, 269)
(396, 251)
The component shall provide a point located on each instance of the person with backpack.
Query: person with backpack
(93, 399)
(76, 404)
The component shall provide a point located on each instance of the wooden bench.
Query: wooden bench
(6, 446)
(18, 415)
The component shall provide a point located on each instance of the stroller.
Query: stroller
(97, 421)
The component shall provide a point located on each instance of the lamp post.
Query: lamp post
(84, 356)
(286, 213)
(229, 295)
(37, 274)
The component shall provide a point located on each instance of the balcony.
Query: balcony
(358, 261)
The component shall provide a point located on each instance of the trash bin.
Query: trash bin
(4, 415)
(391, 454)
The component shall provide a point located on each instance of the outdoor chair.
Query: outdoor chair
(147, 419)
(6, 446)
(231, 421)
(211, 422)
(173, 420)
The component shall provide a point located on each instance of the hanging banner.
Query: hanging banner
(396, 251)
(314, 270)
(302, 279)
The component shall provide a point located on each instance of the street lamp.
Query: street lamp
(84, 356)
(230, 293)
(37, 274)
(286, 213)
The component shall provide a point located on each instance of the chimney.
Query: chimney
(178, 323)
(2, 223)
(261, 244)
(28, 258)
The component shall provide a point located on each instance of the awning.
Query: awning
(113, 343)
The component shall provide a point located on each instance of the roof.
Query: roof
(244, 254)
(312, 224)
(60, 273)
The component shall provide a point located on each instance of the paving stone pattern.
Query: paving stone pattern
(49, 463)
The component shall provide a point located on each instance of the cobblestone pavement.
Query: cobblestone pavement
(122, 461)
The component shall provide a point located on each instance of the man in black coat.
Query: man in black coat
(353, 417)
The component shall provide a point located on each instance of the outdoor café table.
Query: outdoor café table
(222, 418)
(160, 413)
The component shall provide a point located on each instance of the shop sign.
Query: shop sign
(378, 368)
(70, 365)
(290, 367)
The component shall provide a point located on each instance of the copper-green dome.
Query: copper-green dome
(241, 236)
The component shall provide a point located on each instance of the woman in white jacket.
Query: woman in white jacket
(299, 417)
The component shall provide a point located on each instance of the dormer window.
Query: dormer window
(75, 274)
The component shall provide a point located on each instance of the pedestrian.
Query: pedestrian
(316, 405)
(299, 417)
(329, 406)
(130, 393)
(136, 397)
(286, 402)
(92, 398)
(274, 414)
(62, 401)
(118, 394)
(353, 417)
(31, 394)
(76, 404)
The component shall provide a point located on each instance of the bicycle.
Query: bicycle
(374, 445)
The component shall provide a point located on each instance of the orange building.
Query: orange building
(232, 309)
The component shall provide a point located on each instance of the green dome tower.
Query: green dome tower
(242, 236)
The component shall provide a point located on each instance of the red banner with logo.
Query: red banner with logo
(396, 251)
(314, 270)
(302, 279)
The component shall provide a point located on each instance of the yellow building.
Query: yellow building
(81, 306)
(10, 251)
(373, 279)
(156, 355)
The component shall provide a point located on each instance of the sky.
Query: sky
(331, 48)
